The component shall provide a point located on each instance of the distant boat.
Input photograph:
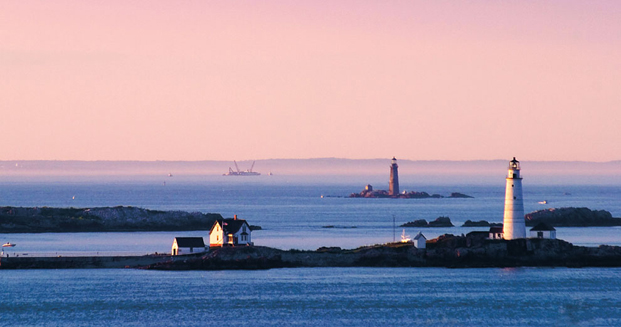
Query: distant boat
(8, 245)
(543, 202)
(169, 175)
(238, 172)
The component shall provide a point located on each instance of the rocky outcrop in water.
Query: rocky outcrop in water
(101, 219)
(460, 195)
(480, 223)
(572, 217)
(438, 222)
(371, 193)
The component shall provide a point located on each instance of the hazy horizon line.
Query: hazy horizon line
(307, 159)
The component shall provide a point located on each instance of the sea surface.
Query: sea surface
(293, 214)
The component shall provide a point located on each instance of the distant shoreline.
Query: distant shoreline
(100, 219)
(302, 167)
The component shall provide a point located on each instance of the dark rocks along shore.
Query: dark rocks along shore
(445, 251)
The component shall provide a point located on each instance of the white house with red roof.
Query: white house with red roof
(230, 232)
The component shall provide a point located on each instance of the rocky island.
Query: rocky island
(438, 222)
(449, 251)
(445, 251)
(100, 219)
(560, 217)
(393, 189)
(480, 223)
(368, 192)
(572, 217)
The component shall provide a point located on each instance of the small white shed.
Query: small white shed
(188, 245)
(420, 241)
(543, 230)
(496, 233)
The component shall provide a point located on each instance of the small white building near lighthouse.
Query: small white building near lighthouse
(420, 241)
(514, 226)
(543, 230)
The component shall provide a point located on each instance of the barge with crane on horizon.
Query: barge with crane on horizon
(238, 172)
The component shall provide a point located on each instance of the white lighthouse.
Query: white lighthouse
(514, 226)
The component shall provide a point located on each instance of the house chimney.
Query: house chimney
(235, 217)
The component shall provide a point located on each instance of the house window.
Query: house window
(539, 234)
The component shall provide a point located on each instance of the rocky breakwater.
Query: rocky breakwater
(100, 219)
(444, 251)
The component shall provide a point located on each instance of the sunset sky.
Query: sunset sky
(224, 80)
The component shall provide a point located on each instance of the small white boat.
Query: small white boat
(8, 245)
(543, 202)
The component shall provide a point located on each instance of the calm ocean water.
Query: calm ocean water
(313, 297)
(292, 213)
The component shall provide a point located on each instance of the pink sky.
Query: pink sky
(224, 80)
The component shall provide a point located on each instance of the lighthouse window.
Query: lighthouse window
(512, 185)
(514, 198)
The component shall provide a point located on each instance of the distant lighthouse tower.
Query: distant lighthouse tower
(393, 185)
(514, 226)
